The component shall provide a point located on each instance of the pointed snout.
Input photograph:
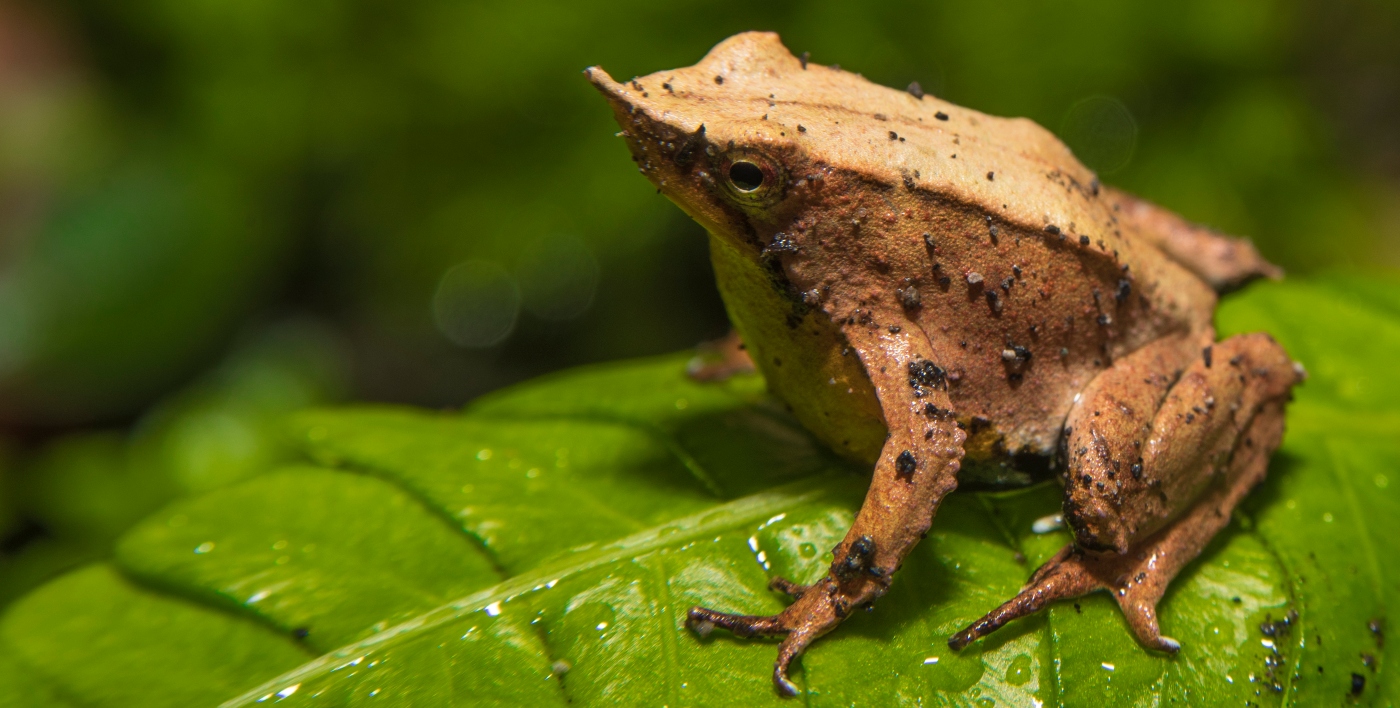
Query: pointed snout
(664, 139)
(600, 78)
(615, 92)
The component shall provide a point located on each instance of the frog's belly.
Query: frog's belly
(803, 356)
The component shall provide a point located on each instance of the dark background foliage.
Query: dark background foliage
(214, 212)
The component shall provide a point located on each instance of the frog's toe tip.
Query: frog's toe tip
(1168, 645)
(786, 654)
(702, 628)
(961, 639)
(786, 688)
(700, 621)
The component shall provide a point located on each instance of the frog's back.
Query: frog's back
(1009, 171)
(1024, 255)
(1011, 167)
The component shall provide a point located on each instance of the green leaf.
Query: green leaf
(542, 547)
(213, 652)
(82, 491)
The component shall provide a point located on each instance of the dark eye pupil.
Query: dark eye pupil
(746, 176)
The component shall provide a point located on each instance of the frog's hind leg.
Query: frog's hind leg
(1209, 444)
(1139, 579)
(1223, 261)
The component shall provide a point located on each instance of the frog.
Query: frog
(930, 288)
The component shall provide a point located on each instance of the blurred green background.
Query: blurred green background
(215, 212)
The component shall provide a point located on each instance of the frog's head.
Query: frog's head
(705, 137)
(752, 137)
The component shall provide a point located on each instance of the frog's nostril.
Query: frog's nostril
(746, 176)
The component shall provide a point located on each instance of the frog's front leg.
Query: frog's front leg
(1144, 498)
(916, 469)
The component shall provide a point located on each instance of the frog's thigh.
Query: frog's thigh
(1126, 484)
(1201, 422)
(1105, 434)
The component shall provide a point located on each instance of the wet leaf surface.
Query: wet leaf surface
(542, 547)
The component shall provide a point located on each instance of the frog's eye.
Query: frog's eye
(751, 179)
(745, 176)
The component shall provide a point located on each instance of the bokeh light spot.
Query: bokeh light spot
(476, 304)
(1101, 132)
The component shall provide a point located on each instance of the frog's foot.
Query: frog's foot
(720, 359)
(1063, 576)
(819, 608)
(1135, 580)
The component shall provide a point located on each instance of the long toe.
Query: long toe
(1019, 606)
(1063, 576)
(787, 587)
(703, 620)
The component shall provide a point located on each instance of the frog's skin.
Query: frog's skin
(920, 282)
